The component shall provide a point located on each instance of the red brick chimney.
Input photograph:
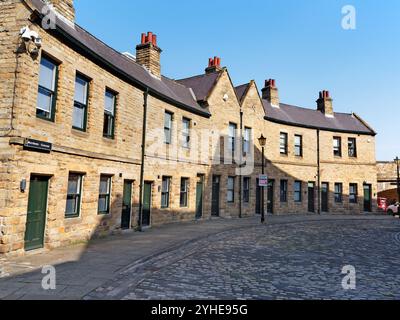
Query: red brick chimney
(148, 54)
(64, 8)
(325, 103)
(214, 65)
(271, 93)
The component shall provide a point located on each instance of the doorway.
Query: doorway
(199, 196)
(216, 188)
(311, 197)
(147, 195)
(36, 216)
(325, 197)
(126, 205)
(367, 198)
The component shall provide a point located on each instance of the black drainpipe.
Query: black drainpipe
(145, 96)
(319, 171)
(240, 164)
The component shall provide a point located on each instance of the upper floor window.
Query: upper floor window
(104, 194)
(168, 127)
(353, 193)
(283, 190)
(231, 190)
(338, 192)
(352, 147)
(298, 145)
(74, 195)
(186, 133)
(246, 140)
(165, 192)
(46, 100)
(109, 114)
(232, 136)
(79, 116)
(297, 191)
(337, 146)
(246, 189)
(284, 143)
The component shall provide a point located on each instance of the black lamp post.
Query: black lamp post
(397, 160)
(263, 141)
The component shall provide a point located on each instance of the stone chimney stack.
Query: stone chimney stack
(148, 54)
(325, 103)
(64, 7)
(271, 93)
(214, 65)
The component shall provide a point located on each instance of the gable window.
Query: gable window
(298, 145)
(184, 192)
(297, 191)
(104, 194)
(246, 190)
(186, 133)
(231, 190)
(284, 143)
(283, 190)
(47, 91)
(352, 147)
(353, 192)
(109, 114)
(246, 141)
(79, 116)
(165, 192)
(168, 127)
(338, 192)
(337, 146)
(232, 137)
(74, 194)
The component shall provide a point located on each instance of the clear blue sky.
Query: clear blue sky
(300, 43)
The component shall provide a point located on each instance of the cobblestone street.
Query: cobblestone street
(289, 258)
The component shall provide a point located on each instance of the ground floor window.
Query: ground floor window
(231, 190)
(297, 191)
(246, 190)
(283, 190)
(165, 192)
(184, 192)
(74, 195)
(104, 194)
(338, 192)
(353, 193)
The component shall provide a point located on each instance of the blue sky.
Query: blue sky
(300, 43)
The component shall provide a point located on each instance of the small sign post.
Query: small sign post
(263, 180)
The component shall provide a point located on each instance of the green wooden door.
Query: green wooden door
(36, 218)
(199, 200)
(146, 204)
(126, 205)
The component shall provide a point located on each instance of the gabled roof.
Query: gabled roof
(201, 84)
(163, 88)
(297, 116)
(241, 90)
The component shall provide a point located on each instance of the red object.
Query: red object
(149, 38)
(216, 62)
(382, 204)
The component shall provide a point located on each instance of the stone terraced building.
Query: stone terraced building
(87, 132)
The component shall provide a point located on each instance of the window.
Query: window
(109, 114)
(165, 190)
(353, 193)
(297, 191)
(338, 192)
(246, 190)
(298, 145)
(74, 194)
(104, 194)
(184, 192)
(186, 133)
(337, 146)
(231, 190)
(284, 143)
(283, 190)
(168, 127)
(79, 116)
(46, 100)
(232, 136)
(246, 141)
(352, 147)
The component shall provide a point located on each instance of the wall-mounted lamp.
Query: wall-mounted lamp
(22, 185)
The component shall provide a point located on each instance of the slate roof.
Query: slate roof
(241, 90)
(164, 87)
(201, 84)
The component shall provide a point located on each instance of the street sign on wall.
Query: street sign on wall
(263, 180)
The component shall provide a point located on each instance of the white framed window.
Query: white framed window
(46, 100)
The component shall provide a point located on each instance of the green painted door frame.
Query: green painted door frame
(36, 216)
(126, 205)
